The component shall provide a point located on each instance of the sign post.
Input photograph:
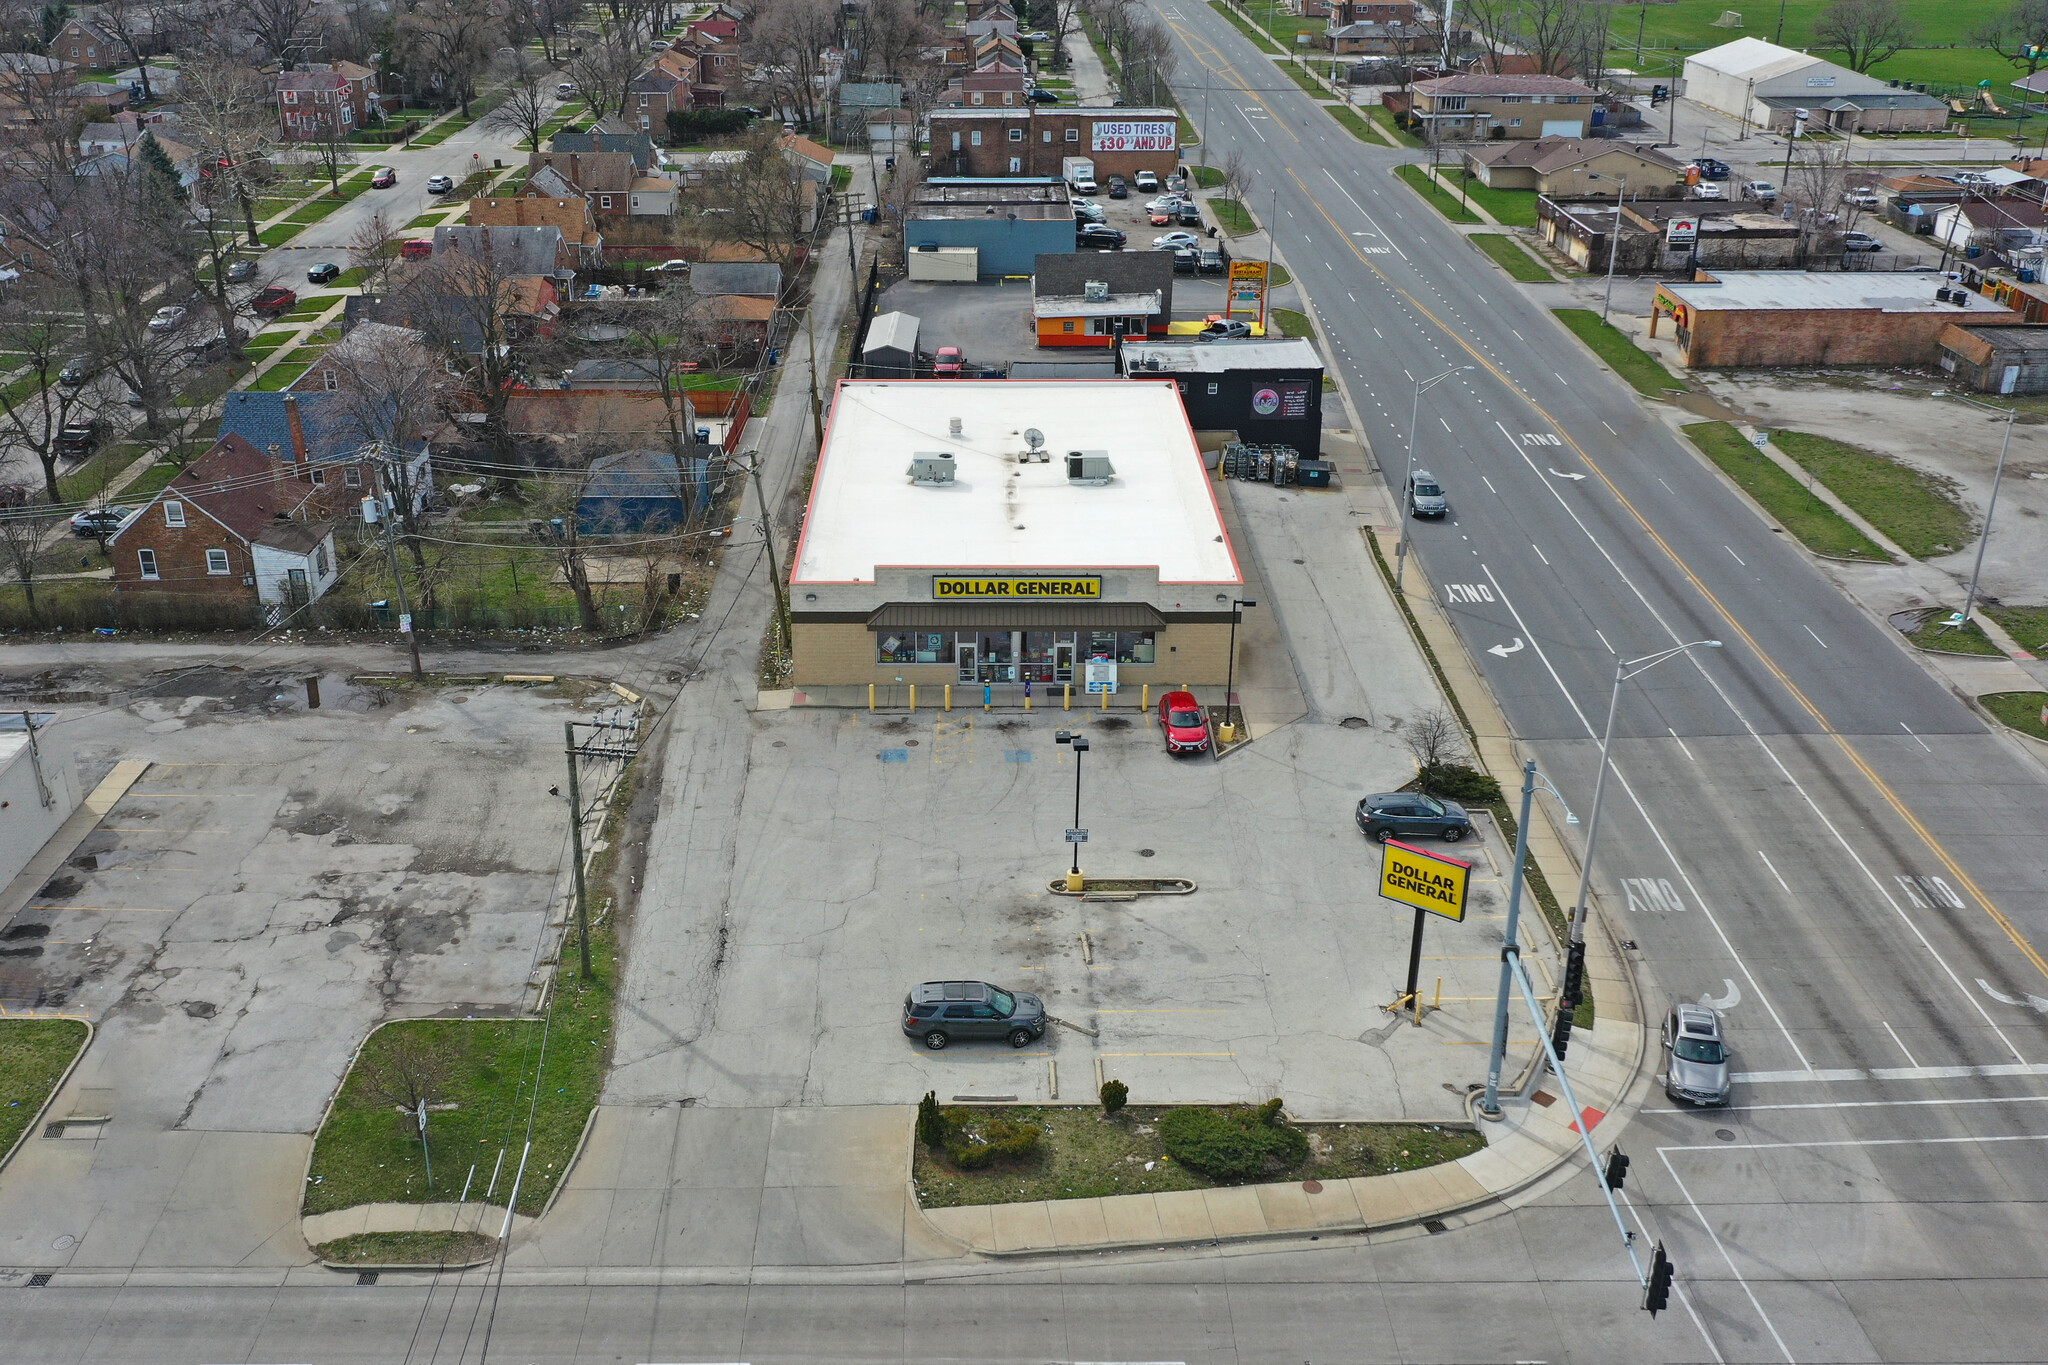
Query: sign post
(1434, 885)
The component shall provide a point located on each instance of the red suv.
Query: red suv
(275, 299)
(1184, 722)
(947, 362)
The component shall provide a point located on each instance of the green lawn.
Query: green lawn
(1353, 123)
(1515, 208)
(1640, 369)
(1306, 81)
(151, 481)
(1258, 39)
(409, 1248)
(34, 1054)
(1290, 323)
(1379, 114)
(1444, 203)
(1818, 526)
(1207, 177)
(1277, 276)
(280, 233)
(427, 220)
(1232, 217)
(2028, 625)
(2020, 710)
(278, 377)
(1518, 263)
(1934, 633)
(1917, 510)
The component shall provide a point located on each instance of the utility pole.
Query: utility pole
(49, 798)
(1205, 118)
(1983, 538)
(405, 621)
(576, 851)
(817, 409)
(774, 569)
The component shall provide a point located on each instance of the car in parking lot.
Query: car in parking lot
(1711, 169)
(1762, 191)
(440, 184)
(238, 271)
(275, 299)
(946, 362)
(1174, 241)
(1862, 197)
(1426, 496)
(1098, 235)
(1184, 723)
(1148, 181)
(1118, 189)
(1696, 1068)
(1160, 217)
(383, 178)
(1708, 189)
(1168, 202)
(939, 1012)
(95, 522)
(167, 319)
(1211, 263)
(1408, 815)
(1860, 241)
(1186, 261)
(563, 90)
(1087, 211)
(1224, 329)
(323, 272)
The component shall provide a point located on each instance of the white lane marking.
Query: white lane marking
(1663, 1154)
(1446, 425)
(2033, 1000)
(1699, 897)
(1558, 474)
(1681, 745)
(1505, 650)
(1249, 124)
(1728, 1000)
(1683, 1297)
(1895, 1073)
(1331, 268)
(1385, 236)
(1667, 487)
(1603, 639)
(1816, 639)
(1518, 335)
(1489, 485)
(1560, 378)
(1901, 1042)
(1841, 839)
(1774, 869)
(1610, 430)
(1867, 1104)
(1732, 555)
(1916, 739)
(1538, 549)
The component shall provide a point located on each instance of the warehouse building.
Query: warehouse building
(1008, 224)
(1006, 531)
(1768, 85)
(1268, 392)
(1781, 317)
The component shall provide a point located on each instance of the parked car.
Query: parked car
(1038, 36)
(440, 184)
(671, 267)
(1763, 191)
(658, 45)
(1148, 182)
(1225, 329)
(1211, 263)
(383, 178)
(1862, 198)
(1186, 261)
(1406, 815)
(1038, 94)
(97, 522)
(1086, 211)
(275, 299)
(1426, 496)
(323, 272)
(563, 90)
(1184, 723)
(1860, 241)
(1711, 169)
(238, 271)
(216, 341)
(168, 318)
(79, 439)
(1970, 178)
(1174, 241)
(1169, 202)
(1708, 189)
(1696, 1069)
(418, 249)
(1189, 216)
(1118, 189)
(946, 361)
(1098, 235)
(76, 372)
(1160, 217)
(940, 1011)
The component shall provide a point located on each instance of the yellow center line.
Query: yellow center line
(1849, 750)
(1224, 67)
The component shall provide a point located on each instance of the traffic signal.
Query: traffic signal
(1657, 1293)
(1561, 1035)
(1574, 976)
(1617, 1169)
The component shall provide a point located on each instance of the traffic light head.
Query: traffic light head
(1657, 1293)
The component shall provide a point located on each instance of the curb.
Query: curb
(403, 1267)
(37, 1122)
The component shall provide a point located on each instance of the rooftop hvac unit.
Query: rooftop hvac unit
(1095, 291)
(931, 469)
(1091, 467)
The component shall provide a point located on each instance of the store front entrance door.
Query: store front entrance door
(966, 656)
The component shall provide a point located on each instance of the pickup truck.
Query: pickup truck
(274, 300)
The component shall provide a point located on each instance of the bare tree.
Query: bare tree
(894, 34)
(461, 302)
(527, 109)
(328, 151)
(2019, 34)
(1434, 740)
(275, 24)
(392, 392)
(401, 1067)
(230, 117)
(556, 506)
(44, 339)
(131, 23)
(602, 71)
(1813, 190)
(24, 537)
(788, 46)
(1867, 31)
(763, 199)
(446, 43)
(373, 250)
(1236, 170)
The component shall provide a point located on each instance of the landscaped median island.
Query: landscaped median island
(2022, 711)
(1818, 526)
(1933, 633)
(1626, 358)
(409, 1248)
(34, 1055)
(2028, 626)
(1232, 217)
(1010, 1154)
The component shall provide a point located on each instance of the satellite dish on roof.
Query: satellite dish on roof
(1033, 437)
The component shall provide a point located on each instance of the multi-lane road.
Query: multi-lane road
(1801, 822)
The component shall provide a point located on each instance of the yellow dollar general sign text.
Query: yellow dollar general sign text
(1428, 881)
(1089, 588)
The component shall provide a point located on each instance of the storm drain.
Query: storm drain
(366, 1277)
(39, 1279)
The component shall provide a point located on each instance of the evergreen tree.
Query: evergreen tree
(153, 161)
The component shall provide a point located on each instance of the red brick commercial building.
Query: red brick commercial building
(1035, 141)
(1739, 319)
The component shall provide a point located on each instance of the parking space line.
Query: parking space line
(109, 909)
(144, 829)
(1175, 1011)
(1169, 1054)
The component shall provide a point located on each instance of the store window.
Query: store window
(1126, 647)
(911, 647)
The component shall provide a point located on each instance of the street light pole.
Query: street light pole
(1407, 500)
(1613, 241)
(1079, 743)
(1489, 1104)
(1990, 508)
(1230, 714)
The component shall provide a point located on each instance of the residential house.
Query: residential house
(317, 104)
(996, 51)
(575, 218)
(999, 89)
(1344, 12)
(718, 65)
(31, 86)
(317, 428)
(753, 279)
(639, 491)
(238, 523)
(985, 17)
(608, 136)
(536, 250)
(87, 46)
(1088, 298)
(1577, 168)
(603, 179)
(812, 160)
(1369, 39)
(1479, 107)
(2004, 225)
(184, 160)
(668, 83)
(630, 374)
(1766, 85)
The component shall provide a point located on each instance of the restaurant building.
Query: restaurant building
(1010, 531)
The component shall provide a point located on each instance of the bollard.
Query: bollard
(1145, 697)
(1076, 881)
(949, 696)
(1068, 703)
(1439, 994)
(1105, 698)
(913, 696)
(871, 696)
(988, 693)
(313, 692)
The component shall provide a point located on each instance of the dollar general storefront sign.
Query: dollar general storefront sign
(1427, 881)
(1070, 589)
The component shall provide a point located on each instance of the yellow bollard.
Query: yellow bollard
(1439, 994)
(1145, 697)
(1076, 882)
(949, 696)
(871, 696)
(1027, 700)
(1226, 733)
(913, 696)
(1105, 699)
(1067, 704)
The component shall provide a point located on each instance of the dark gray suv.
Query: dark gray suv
(1407, 815)
(940, 1011)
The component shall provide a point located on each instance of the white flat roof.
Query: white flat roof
(1892, 292)
(1159, 511)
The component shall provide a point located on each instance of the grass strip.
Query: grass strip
(279, 377)
(1305, 80)
(1354, 123)
(1819, 527)
(1208, 177)
(1084, 1154)
(1935, 635)
(2027, 625)
(409, 1248)
(2020, 710)
(1916, 509)
(279, 233)
(1384, 117)
(1233, 217)
(1513, 208)
(1444, 203)
(1244, 26)
(1277, 276)
(1629, 360)
(33, 1056)
(1518, 263)
(1291, 323)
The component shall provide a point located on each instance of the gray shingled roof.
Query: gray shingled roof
(759, 279)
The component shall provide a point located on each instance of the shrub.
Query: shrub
(931, 1124)
(1233, 1145)
(694, 125)
(1459, 782)
(970, 1146)
(1114, 1094)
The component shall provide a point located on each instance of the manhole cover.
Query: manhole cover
(1355, 723)
(64, 1243)
(782, 744)
(911, 742)
(1312, 1186)
(1144, 853)
(1726, 1135)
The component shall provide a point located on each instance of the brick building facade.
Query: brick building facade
(1739, 319)
(1034, 141)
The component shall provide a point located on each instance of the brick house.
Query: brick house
(87, 46)
(985, 89)
(603, 179)
(1344, 12)
(718, 65)
(312, 425)
(576, 219)
(238, 523)
(310, 104)
(991, 16)
(1479, 107)
(1010, 142)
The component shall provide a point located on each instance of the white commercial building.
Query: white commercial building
(1767, 85)
(1010, 531)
